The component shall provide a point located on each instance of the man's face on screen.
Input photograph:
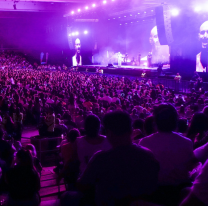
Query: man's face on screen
(203, 35)
(77, 45)
(154, 40)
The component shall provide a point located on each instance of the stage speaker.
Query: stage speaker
(163, 22)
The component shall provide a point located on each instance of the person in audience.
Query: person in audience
(173, 151)
(36, 161)
(67, 149)
(199, 191)
(50, 122)
(198, 129)
(91, 142)
(23, 181)
(125, 173)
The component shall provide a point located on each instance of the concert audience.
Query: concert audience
(102, 108)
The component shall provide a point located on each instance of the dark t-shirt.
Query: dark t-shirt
(23, 183)
(127, 171)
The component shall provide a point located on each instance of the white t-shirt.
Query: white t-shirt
(200, 186)
(174, 153)
(86, 150)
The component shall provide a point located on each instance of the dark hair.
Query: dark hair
(166, 118)
(25, 158)
(182, 125)
(92, 125)
(1, 133)
(118, 122)
(205, 111)
(149, 125)
(72, 135)
(138, 124)
(199, 124)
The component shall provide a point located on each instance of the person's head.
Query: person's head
(92, 126)
(32, 149)
(166, 118)
(199, 124)
(182, 125)
(77, 45)
(205, 110)
(24, 158)
(118, 127)
(72, 135)
(154, 40)
(203, 35)
(149, 125)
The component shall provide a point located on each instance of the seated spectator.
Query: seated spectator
(182, 126)
(36, 161)
(149, 126)
(67, 149)
(23, 181)
(198, 194)
(59, 128)
(50, 122)
(91, 142)
(122, 174)
(173, 151)
(198, 128)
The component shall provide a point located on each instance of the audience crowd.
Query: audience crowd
(125, 140)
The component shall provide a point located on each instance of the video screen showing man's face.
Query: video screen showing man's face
(154, 40)
(77, 45)
(160, 53)
(202, 57)
(203, 35)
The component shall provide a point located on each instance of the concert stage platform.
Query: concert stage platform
(123, 70)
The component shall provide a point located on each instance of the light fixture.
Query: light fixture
(85, 32)
(72, 12)
(79, 10)
(86, 7)
(175, 12)
(77, 33)
(104, 2)
(93, 5)
(197, 9)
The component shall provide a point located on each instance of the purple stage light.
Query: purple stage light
(86, 7)
(72, 12)
(93, 5)
(76, 33)
(175, 12)
(85, 32)
(79, 10)
(73, 34)
(69, 34)
(197, 9)
(104, 2)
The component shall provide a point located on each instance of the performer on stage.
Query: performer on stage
(178, 78)
(139, 59)
(119, 59)
(77, 59)
(149, 59)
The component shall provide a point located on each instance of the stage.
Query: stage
(123, 70)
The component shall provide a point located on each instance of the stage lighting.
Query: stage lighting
(104, 2)
(72, 12)
(93, 5)
(79, 10)
(86, 7)
(138, 13)
(73, 34)
(120, 24)
(69, 34)
(130, 14)
(85, 32)
(175, 12)
(119, 17)
(197, 9)
(124, 16)
(77, 33)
